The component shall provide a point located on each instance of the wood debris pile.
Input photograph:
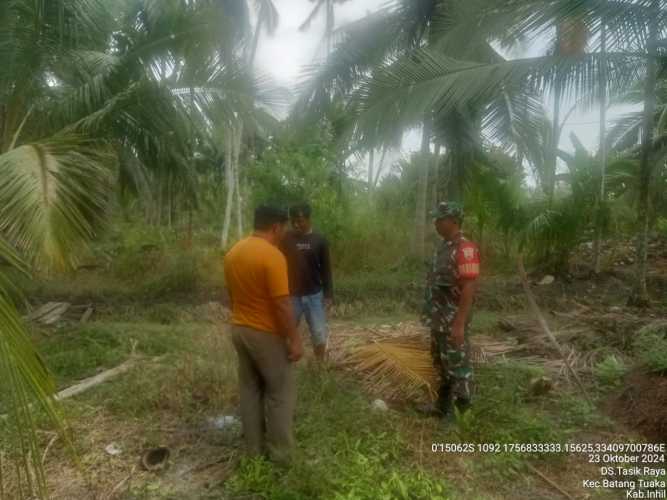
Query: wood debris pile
(395, 360)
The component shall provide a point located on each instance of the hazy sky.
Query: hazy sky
(285, 56)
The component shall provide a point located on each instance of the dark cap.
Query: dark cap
(448, 209)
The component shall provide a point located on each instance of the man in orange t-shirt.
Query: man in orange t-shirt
(264, 335)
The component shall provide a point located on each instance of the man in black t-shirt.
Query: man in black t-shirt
(310, 277)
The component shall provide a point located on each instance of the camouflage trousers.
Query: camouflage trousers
(453, 364)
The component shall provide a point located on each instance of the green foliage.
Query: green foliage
(496, 203)
(661, 226)
(181, 277)
(25, 395)
(610, 371)
(380, 292)
(575, 413)
(288, 173)
(360, 482)
(650, 347)
(554, 232)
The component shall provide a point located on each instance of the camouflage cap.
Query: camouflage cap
(448, 209)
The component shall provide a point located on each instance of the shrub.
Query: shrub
(178, 275)
(651, 347)
(610, 371)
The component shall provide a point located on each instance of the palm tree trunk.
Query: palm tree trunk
(255, 43)
(331, 22)
(640, 294)
(159, 202)
(422, 188)
(436, 174)
(456, 173)
(371, 176)
(189, 237)
(603, 148)
(380, 167)
(229, 182)
(238, 135)
(553, 157)
(170, 200)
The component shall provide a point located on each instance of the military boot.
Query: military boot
(444, 402)
(462, 405)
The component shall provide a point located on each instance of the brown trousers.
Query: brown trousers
(267, 386)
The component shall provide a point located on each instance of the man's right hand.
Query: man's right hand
(285, 313)
(294, 350)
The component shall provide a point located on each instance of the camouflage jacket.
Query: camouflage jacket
(453, 261)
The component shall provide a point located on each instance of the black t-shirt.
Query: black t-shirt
(308, 264)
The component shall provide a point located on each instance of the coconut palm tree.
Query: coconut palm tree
(268, 18)
(368, 48)
(640, 295)
(55, 189)
(429, 78)
(88, 98)
(328, 8)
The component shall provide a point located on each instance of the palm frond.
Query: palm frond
(626, 21)
(626, 132)
(54, 197)
(396, 369)
(312, 15)
(361, 46)
(426, 80)
(27, 383)
(268, 13)
(512, 117)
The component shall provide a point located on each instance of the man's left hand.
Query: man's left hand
(458, 337)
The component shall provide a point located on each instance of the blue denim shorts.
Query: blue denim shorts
(312, 307)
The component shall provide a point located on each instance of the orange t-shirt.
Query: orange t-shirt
(256, 273)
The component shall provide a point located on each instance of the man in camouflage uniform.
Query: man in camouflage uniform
(450, 291)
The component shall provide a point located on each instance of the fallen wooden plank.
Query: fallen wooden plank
(42, 311)
(55, 314)
(100, 378)
(49, 313)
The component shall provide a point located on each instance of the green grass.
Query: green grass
(73, 353)
(504, 411)
(380, 292)
(484, 321)
(345, 451)
(187, 369)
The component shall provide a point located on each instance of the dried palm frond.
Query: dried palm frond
(398, 363)
(396, 370)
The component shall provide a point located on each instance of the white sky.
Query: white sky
(285, 56)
